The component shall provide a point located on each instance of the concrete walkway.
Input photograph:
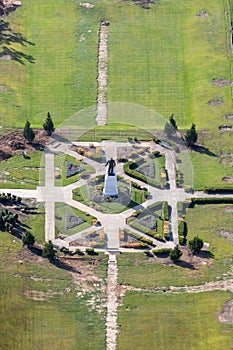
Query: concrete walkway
(102, 75)
(112, 304)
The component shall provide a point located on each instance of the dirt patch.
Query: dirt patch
(224, 128)
(13, 143)
(221, 82)
(83, 272)
(228, 209)
(203, 14)
(227, 235)
(215, 102)
(229, 117)
(228, 179)
(226, 316)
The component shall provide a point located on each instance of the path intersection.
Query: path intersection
(111, 223)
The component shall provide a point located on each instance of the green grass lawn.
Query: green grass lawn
(174, 322)
(36, 223)
(61, 212)
(140, 271)
(28, 324)
(62, 78)
(19, 172)
(203, 171)
(165, 58)
(60, 169)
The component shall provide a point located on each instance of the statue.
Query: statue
(111, 164)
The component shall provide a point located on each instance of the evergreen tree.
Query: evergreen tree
(195, 245)
(48, 125)
(175, 254)
(48, 251)
(28, 133)
(28, 239)
(191, 136)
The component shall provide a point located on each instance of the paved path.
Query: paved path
(111, 319)
(102, 75)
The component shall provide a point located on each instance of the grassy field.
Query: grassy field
(205, 171)
(28, 324)
(19, 172)
(62, 77)
(165, 59)
(174, 322)
(36, 223)
(140, 271)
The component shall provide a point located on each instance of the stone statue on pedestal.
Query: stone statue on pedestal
(111, 164)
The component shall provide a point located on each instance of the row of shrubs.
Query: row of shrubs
(7, 220)
(212, 200)
(146, 230)
(129, 169)
(9, 198)
(88, 251)
(182, 232)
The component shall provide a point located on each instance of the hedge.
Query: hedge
(165, 213)
(129, 169)
(212, 200)
(145, 230)
(182, 228)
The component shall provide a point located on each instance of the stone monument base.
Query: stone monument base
(110, 185)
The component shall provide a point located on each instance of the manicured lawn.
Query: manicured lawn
(36, 223)
(164, 59)
(64, 212)
(60, 169)
(204, 221)
(62, 78)
(36, 324)
(19, 172)
(204, 171)
(173, 321)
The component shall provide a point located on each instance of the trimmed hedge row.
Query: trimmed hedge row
(165, 213)
(145, 230)
(129, 169)
(212, 200)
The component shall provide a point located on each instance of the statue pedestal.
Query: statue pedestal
(110, 185)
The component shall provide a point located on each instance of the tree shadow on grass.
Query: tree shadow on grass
(9, 37)
(205, 254)
(185, 265)
(202, 149)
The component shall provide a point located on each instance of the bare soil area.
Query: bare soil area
(215, 102)
(221, 82)
(14, 143)
(228, 179)
(227, 235)
(229, 117)
(226, 316)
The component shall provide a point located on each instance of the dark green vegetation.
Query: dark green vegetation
(28, 133)
(35, 305)
(218, 255)
(173, 321)
(48, 125)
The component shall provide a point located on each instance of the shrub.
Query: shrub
(165, 211)
(79, 252)
(195, 245)
(182, 228)
(175, 254)
(91, 251)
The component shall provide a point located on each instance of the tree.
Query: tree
(48, 251)
(48, 125)
(191, 136)
(171, 127)
(28, 133)
(28, 239)
(195, 245)
(175, 254)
